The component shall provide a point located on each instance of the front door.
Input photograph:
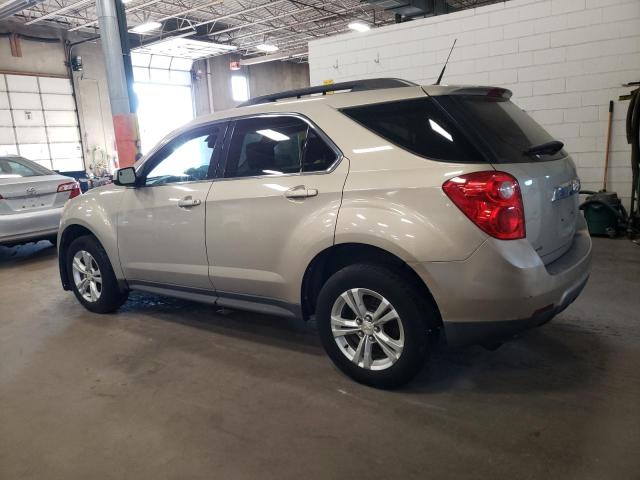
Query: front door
(276, 203)
(161, 239)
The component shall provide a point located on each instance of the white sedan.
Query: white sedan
(31, 200)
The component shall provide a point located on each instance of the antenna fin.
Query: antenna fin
(444, 67)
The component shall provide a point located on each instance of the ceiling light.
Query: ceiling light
(437, 128)
(273, 135)
(267, 47)
(146, 27)
(359, 26)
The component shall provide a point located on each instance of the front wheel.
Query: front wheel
(374, 325)
(91, 276)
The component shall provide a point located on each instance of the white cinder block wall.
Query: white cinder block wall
(563, 59)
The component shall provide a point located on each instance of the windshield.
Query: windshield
(18, 167)
(506, 129)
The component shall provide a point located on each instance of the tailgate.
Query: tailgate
(549, 193)
(515, 143)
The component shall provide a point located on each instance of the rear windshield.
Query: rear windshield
(505, 129)
(16, 167)
(419, 126)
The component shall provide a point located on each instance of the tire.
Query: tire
(109, 297)
(414, 316)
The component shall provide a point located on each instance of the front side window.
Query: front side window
(187, 158)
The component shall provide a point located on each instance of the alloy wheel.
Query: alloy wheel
(87, 276)
(367, 328)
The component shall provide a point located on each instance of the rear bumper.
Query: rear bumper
(29, 226)
(470, 333)
(504, 288)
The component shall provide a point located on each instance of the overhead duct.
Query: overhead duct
(274, 57)
(414, 8)
(15, 6)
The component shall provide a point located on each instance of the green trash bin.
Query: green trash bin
(604, 213)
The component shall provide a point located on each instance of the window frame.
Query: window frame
(155, 157)
(310, 125)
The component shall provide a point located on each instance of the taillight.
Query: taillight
(492, 201)
(72, 187)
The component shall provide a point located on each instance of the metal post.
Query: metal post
(126, 54)
(124, 120)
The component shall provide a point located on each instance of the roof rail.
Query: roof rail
(353, 86)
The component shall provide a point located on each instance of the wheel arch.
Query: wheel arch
(332, 259)
(68, 235)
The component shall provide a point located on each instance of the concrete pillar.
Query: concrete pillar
(124, 120)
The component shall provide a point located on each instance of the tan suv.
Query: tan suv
(394, 214)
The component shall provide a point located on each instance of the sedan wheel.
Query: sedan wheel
(87, 276)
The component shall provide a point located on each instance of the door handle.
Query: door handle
(300, 192)
(188, 202)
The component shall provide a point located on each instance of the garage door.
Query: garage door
(38, 121)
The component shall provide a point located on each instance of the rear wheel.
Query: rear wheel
(91, 276)
(374, 325)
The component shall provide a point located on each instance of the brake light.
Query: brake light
(72, 187)
(491, 200)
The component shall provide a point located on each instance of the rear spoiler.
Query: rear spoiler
(481, 91)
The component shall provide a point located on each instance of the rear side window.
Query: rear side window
(318, 156)
(419, 126)
(276, 146)
(20, 167)
(506, 129)
(266, 146)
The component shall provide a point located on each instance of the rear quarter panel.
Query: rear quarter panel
(394, 200)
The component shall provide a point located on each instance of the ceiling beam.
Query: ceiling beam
(60, 11)
(128, 10)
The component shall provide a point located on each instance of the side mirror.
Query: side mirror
(125, 177)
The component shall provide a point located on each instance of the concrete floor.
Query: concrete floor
(170, 389)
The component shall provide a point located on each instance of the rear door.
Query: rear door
(161, 227)
(548, 179)
(279, 193)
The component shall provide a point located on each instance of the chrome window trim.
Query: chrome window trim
(299, 116)
(225, 141)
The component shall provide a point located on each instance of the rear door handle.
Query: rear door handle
(188, 202)
(301, 192)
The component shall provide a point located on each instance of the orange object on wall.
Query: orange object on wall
(127, 138)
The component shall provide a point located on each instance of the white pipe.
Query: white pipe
(60, 11)
(112, 51)
(12, 7)
(274, 57)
